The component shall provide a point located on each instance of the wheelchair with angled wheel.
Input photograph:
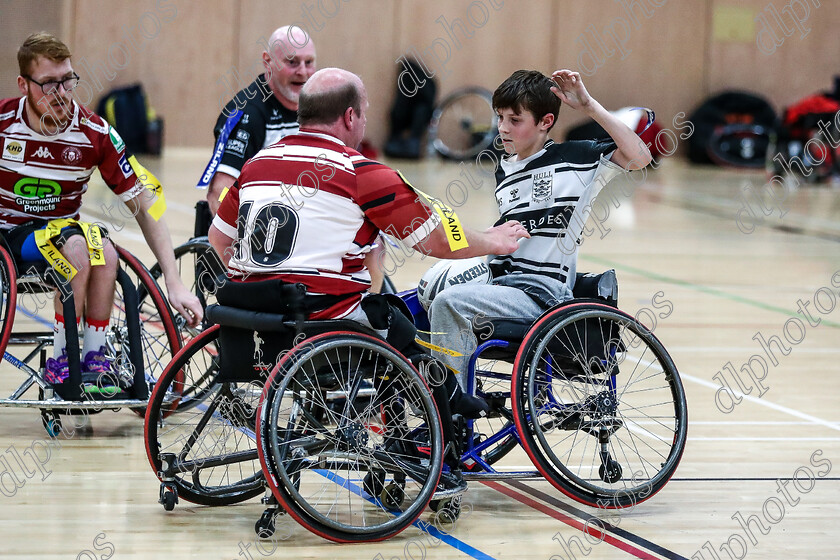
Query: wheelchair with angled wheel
(347, 432)
(590, 394)
(334, 420)
(141, 339)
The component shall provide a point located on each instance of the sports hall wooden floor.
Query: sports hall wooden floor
(676, 235)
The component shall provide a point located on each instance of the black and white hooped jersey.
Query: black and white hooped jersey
(551, 194)
(257, 120)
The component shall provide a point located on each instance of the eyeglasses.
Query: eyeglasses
(69, 84)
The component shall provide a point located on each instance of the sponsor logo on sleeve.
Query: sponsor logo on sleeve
(116, 140)
(125, 167)
(14, 150)
(237, 147)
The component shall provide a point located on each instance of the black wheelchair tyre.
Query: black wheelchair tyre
(207, 423)
(639, 428)
(376, 408)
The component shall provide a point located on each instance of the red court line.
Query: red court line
(572, 522)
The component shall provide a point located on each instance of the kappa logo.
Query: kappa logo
(14, 150)
(43, 152)
(542, 186)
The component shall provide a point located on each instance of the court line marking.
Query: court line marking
(424, 526)
(701, 288)
(635, 545)
(763, 438)
(765, 402)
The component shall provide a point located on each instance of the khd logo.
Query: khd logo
(36, 188)
(14, 148)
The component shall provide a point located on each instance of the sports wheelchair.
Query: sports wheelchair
(354, 442)
(142, 338)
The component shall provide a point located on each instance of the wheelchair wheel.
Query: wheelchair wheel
(599, 405)
(343, 414)
(200, 268)
(158, 334)
(206, 426)
(463, 124)
(8, 297)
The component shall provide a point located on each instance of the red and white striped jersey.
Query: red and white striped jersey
(46, 176)
(308, 209)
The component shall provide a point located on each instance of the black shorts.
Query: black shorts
(16, 237)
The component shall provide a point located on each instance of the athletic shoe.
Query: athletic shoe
(57, 369)
(97, 376)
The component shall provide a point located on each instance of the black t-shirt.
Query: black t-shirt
(264, 121)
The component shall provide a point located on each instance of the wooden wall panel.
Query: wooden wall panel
(178, 63)
(17, 21)
(798, 67)
(359, 37)
(670, 62)
(655, 60)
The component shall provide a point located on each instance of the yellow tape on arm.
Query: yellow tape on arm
(224, 193)
(451, 223)
(148, 180)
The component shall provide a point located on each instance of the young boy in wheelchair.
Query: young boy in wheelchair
(308, 209)
(549, 189)
(50, 147)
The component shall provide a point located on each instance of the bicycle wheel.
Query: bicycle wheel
(599, 405)
(8, 298)
(207, 426)
(349, 438)
(464, 123)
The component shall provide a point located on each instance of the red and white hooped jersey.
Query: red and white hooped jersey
(308, 209)
(46, 176)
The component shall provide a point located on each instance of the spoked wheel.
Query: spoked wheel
(202, 271)
(464, 123)
(207, 425)
(350, 438)
(159, 340)
(8, 297)
(599, 405)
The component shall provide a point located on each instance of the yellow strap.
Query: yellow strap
(52, 255)
(451, 223)
(93, 236)
(437, 348)
(148, 180)
(224, 194)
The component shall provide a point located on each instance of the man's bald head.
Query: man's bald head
(328, 94)
(287, 40)
(288, 63)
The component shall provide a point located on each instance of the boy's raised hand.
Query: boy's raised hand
(570, 89)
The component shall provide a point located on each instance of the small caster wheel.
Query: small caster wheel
(448, 510)
(265, 525)
(168, 496)
(610, 471)
(393, 496)
(52, 423)
(374, 483)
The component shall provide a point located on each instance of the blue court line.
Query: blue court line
(31, 315)
(427, 528)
